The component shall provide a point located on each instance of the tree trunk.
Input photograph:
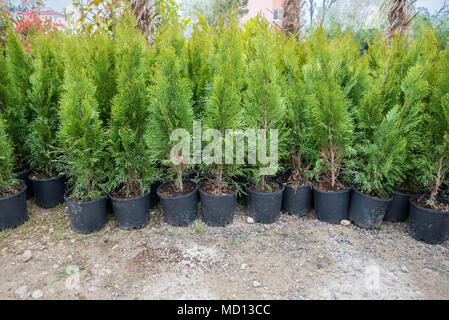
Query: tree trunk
(291, 21)
(144, 14)
(398, 17)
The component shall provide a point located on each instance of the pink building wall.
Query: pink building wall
(265, 7)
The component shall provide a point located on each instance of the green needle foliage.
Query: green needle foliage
(46, 89)
(81, 134)
(171, 109)
(102, 71)
(17, 111)
(434, 163)
(264, 107)
(224, 107)
(129, 114)
(7, 177)
(299, 155)
(330, 127)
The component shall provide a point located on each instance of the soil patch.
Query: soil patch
(325, 184)
(214, 188)
(270, 187)
(440, 206)
(294, 180)
(170, 190)
(10, 191)
(127, 192)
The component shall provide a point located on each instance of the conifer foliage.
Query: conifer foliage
(7, 177)
(223, 108)
(171, 109)
(81, 134)
(129, 113)
(328, 115)
(263, 103)
(46, 88)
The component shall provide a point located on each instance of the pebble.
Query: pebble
(345, 223)
(256, 284)
(27, 255)
(244, 266)
(22, 291)
(92, 289)
(37, 294)
(250, 220)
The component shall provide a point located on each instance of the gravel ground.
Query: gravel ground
(296, 258)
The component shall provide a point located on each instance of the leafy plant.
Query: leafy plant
(46, 88)
(7, 177)
(81, 134)
(224, 106)
(264, 107)
(171, 109)
(129, 114)
(330, 126)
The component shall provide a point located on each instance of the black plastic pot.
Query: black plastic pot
(24, 177)
(367, 212)
(399, 208)
(297, 201)
(132, 213)
(265, 207)
(331, 207)
(154, 199)
(87, 217)
(180, 211)
(431, 226)
(49, 192)
(13, 209)
(218, 211)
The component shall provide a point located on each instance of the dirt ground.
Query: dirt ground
(296, 258)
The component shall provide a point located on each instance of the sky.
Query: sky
(432, 5)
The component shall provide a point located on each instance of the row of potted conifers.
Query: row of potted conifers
(431, 226)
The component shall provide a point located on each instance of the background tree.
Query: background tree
(46, 88)
(398, 17)
(129, 114)
(81, 133)
(291, 21)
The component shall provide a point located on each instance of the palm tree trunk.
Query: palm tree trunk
(398, 17)
(291, 21)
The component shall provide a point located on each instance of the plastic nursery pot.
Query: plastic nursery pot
(13, 209)
(180, 211)
(399, 208)
(218, 210)
(49, 193)
(331, 207)
(367, 212)
(24, 177)
(89, 216)
(297, 200)
(431, 226)
(132, 213)
(265, 207)
(154, 199)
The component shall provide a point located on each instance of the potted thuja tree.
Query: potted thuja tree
(42, 143)
(131, 173)
(264, 109)
(15, 83)
(429, 213)
(298, 192)
(13, 203)
(330, 129)
(223, 112)
(171, 112)
(83, 143)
